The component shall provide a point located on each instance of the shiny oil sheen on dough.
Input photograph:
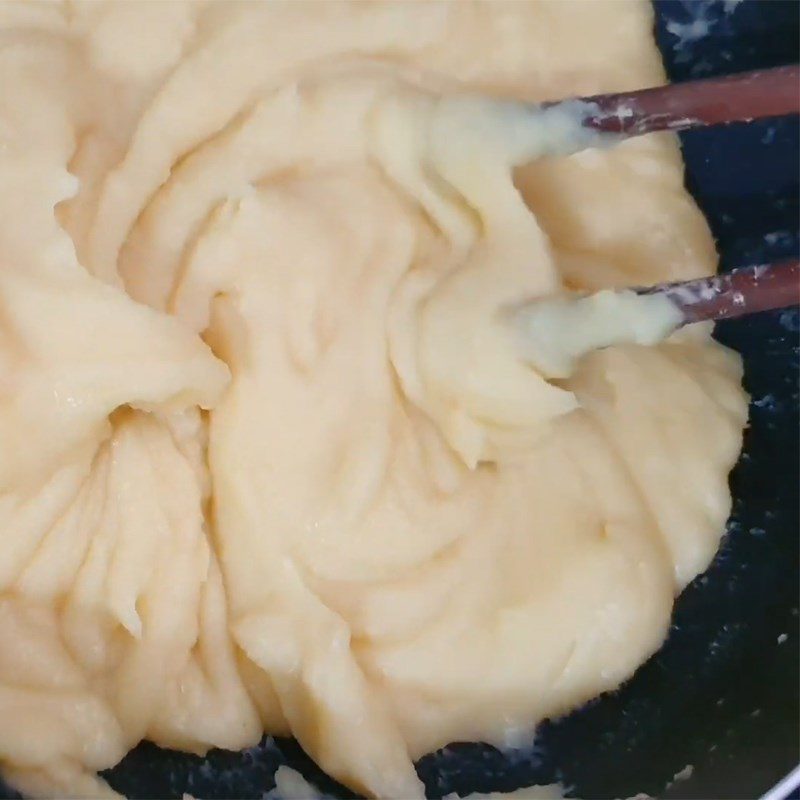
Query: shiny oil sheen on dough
(267, 463)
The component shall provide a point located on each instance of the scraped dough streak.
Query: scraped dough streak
(267, 461)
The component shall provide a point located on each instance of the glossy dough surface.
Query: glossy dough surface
(266, 461)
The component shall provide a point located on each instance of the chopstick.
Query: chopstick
(743, 97)
(747, 290)
(679, 106)
(553, 333)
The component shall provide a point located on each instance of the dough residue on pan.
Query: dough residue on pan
(267, 460)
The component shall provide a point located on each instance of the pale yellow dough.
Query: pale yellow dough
(267, 460)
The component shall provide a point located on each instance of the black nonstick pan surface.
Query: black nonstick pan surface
(722, 695)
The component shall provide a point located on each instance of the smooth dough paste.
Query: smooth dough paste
(267, 460)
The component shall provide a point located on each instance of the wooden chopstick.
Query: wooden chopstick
(715, 101)
(747, 290)
(693, 104)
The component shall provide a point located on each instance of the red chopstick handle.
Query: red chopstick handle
(678, 106)
(734, 294)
